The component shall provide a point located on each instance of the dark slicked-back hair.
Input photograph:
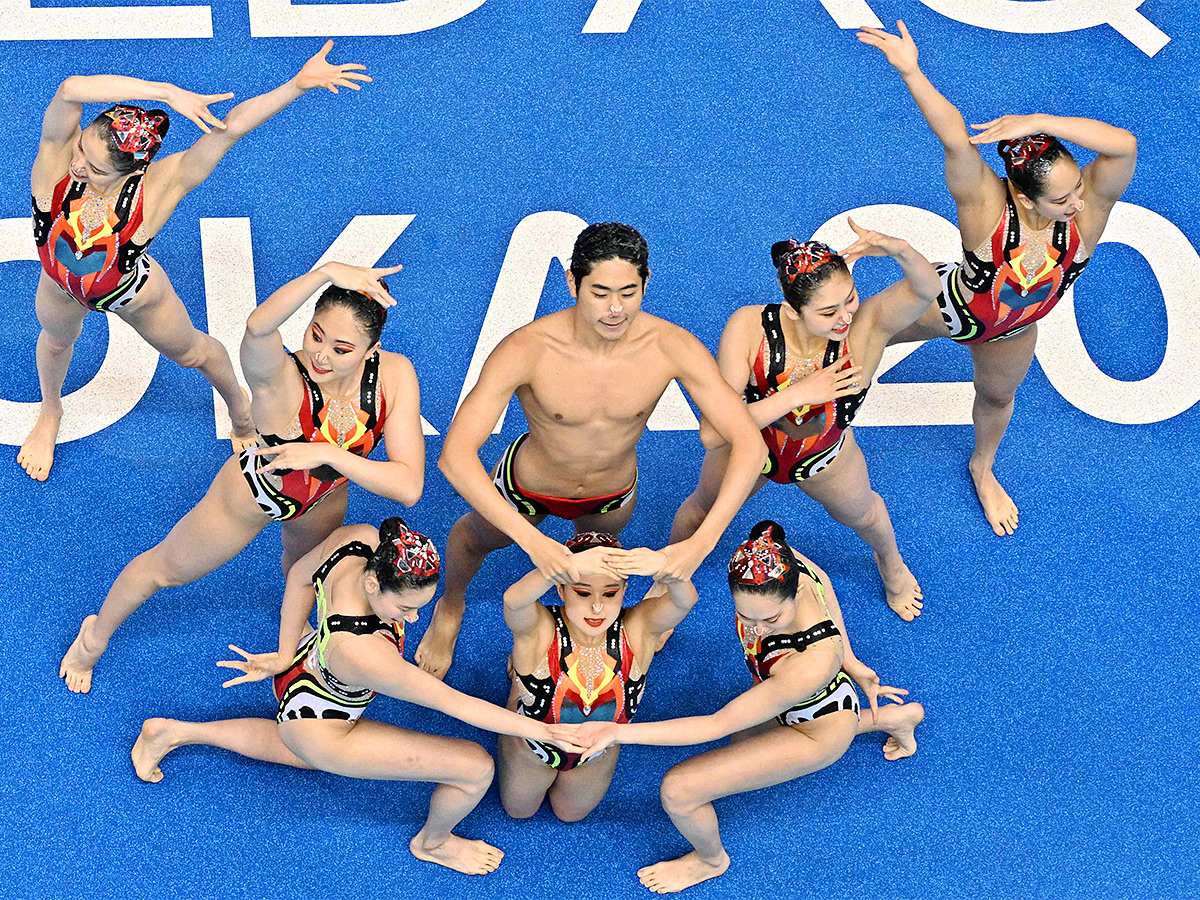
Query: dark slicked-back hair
(609, 240)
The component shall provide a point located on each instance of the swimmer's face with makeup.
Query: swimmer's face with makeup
(762, 615)
(1061, 198)
(92, 163)
(830, 308)
(591, 605)
(335, 345)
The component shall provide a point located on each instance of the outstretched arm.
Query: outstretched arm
(175, 176)
(793, 679)
(724, 410)
(971, 181)
(372, 661)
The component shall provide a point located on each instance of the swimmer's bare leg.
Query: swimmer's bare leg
(844, 489)
(1000, 368)
(471, 539)
(253, 738)
(61, 319)
(900, 721)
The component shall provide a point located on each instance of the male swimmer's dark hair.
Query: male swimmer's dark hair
(764, 564)
(586, 540)
(801, 268)
(609, 240)
(405, 560)
(369, 315)
(1028, 161)
(139, 131)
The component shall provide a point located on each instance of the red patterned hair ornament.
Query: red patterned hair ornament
(589, 539)
(1020, 151)
(806, 258)
(416, 555)
(758, 561)
(135, 131)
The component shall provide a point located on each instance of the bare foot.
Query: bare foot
(242, 433)
(36, 455)
(998, 507)
(76, 666)
(459, 854)
(903, 721)
(436, 650)
(151, 746)
(677, 874)
(904, 594)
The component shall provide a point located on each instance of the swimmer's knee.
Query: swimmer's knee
(676, 792)
(157, 569)
(994, 399)
(480, 770)
(569, 812)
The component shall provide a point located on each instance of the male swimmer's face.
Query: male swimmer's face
(593, 604)
(1063, 194)
(609, 296)
(831, 308)
(762, 615)
(400, 606)
(91, 163)
(335, 344)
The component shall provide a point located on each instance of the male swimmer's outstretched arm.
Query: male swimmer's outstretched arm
(174, 176)
(724, 410)
(505, 370)
(273, 384)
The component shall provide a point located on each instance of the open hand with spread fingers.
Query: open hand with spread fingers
(900, 50)
(254, 666)
(872, 243)
(318, 72)
(636, 561)
(195, 106)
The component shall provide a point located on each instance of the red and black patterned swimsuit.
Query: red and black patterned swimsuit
(789, 459)
(995, 298)
(556, 692)
(288, 493)
(103, 268)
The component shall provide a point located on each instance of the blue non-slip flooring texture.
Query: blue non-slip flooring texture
(1057, 666)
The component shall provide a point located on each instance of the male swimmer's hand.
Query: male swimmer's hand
(363, 280)
(683, 559)
(593, 737)
(296, 455)
(872, 243)
(319, 72)
(900, 51)
(832, 382)
(636, 561)
(1006, 128)
(195, 107)
(556, 563)
(256, 666)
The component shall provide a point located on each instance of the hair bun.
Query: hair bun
(769, 526)
(780, 250)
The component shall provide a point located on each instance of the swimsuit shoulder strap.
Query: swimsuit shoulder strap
(353, 548)
(776, 345)
(315, 397)
(370, 398)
